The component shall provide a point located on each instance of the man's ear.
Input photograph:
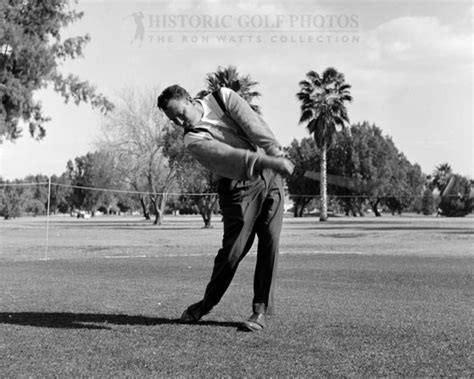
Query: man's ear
(190, 99)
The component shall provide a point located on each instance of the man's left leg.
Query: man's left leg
(268, 229)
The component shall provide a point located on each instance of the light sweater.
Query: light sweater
(229, 144)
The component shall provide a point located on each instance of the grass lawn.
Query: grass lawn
(355, 297)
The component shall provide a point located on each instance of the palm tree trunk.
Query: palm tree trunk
(323, 190)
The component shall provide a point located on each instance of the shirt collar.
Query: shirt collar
(205, 111)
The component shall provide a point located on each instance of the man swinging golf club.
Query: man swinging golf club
(225, 135)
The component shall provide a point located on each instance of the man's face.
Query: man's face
(183, 112)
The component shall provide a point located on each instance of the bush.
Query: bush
(416, 205)
(457, 203)
(428, 202)
(10, 203)
(35, 207)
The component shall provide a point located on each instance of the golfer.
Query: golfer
(225, 135)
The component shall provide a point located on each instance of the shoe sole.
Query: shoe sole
(188, 318)
(250, 327)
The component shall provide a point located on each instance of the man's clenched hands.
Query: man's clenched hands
(281, 165)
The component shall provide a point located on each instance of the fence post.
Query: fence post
(47, 219)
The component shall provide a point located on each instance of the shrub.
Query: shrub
(427, 202)
(457, 203)
(35, 207)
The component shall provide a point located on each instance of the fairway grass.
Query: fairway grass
(355, 298)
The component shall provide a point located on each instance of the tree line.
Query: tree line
(384, 180)
(141, 165)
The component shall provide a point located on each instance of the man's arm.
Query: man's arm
(251, 123)
(230, 162)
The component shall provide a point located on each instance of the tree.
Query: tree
(36, 196)
(191, 177)
(230, 78)
(61, 193)
(405, 184)
(126, 203)
(201, 184)
(304, 155)
(455, 191)
(323, 110)
(28, 195)
(135, 134)
(343, 160)
(416, 184)
(35, 207)
(31, 53)
(441, 176)
(458, 201)
(380, 173)
(94, 170)
(427, 202)
(10, 199)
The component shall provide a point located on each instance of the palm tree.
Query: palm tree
(441, 176)
(323, 110)
(230, 78)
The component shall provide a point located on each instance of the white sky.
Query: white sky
(410, 68)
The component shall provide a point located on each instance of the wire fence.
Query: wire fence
(146, 193)
(51, 207)
(108, 189)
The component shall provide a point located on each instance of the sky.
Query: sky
(410, 64)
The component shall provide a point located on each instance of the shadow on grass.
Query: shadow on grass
(64, 320)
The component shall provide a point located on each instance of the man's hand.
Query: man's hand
(281, 165)
(284, 167)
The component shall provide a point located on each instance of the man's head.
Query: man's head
(179, 106)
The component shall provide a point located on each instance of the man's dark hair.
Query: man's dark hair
(172, 92)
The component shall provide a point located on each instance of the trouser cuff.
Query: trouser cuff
(263, 308)
(198, 310)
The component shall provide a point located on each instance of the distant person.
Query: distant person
(226, 136)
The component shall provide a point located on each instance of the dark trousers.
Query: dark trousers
(249, 209)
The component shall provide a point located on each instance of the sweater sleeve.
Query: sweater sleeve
(224, 160)
(251, 123)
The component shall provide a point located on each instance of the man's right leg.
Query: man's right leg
(240, 210)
